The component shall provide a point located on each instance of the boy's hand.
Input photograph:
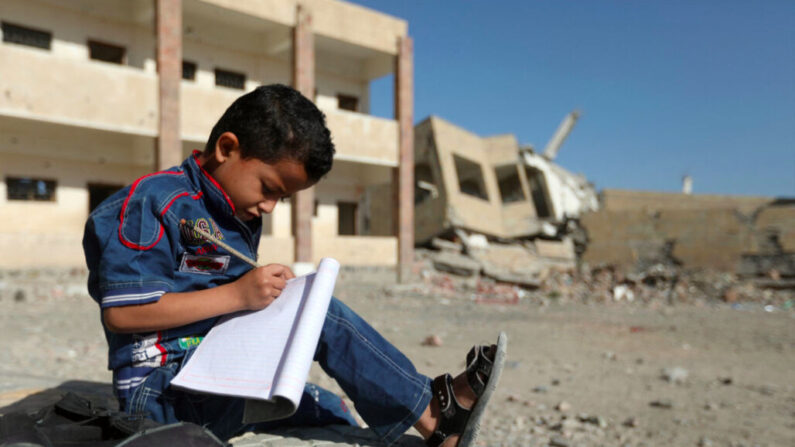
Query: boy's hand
(260, 286)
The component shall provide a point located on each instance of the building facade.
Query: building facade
(96, 93)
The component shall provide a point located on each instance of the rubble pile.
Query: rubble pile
(505, 273)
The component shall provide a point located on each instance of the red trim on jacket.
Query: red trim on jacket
(133, 245)
(211, 179)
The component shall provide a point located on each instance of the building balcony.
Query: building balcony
(363, 138)
(37, 85)
(40, 86)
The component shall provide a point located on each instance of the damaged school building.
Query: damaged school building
(97, 93)
(514, 209)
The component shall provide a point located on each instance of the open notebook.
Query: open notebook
(265, 355)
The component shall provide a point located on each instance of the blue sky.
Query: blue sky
(666, 88)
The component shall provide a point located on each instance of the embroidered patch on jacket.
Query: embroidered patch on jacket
(193, 237)
(206, 264)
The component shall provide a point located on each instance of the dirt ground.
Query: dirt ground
(577, 375)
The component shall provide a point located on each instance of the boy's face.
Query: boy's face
(252, 185)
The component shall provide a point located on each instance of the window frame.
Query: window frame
(482, 179)
(232, 73)
(93, 44)
(11, 26)
(51, 199)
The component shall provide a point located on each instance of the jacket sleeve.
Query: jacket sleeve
(137, 262)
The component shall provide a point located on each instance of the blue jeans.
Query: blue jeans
(388, 392)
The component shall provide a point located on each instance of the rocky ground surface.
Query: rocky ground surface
(580, 372)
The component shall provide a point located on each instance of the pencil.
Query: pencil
(210, 238)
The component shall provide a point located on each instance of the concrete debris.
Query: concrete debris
(622, 291)
(456, 264)
(432, 340)
(446, 246)
(563, 406)
(774, 265)
(705, 442)
(630, 422)
(509, 273)
(557, 441)
(676, 375)
(662, 403)
(502, 276)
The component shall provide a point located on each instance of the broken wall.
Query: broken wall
(705, 231)
(430, 207)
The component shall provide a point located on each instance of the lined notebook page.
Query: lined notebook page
(243, 354)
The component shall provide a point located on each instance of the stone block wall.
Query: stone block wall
(699, 231)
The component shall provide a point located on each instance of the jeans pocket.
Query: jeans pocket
(142, 399)
(152, 399)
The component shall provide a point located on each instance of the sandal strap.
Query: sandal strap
(478, 368)
(454, 417)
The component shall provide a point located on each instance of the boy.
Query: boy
(161, 287)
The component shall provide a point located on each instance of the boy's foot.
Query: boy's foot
(457, 404)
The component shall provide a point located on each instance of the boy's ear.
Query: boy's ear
(226, 144)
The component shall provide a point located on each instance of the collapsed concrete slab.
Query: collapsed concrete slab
(491, 185)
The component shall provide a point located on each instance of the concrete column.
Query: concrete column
(168, 149)
(404, 114)
(304, 82)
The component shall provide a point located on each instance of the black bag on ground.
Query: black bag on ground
(76, 421)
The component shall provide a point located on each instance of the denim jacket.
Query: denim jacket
(136, 251)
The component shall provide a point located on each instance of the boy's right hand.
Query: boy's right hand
(260, 286)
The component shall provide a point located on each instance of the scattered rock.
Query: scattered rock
(725, 380)
(540, 389)
(662, 403)
(593, 420)
(432, 340)
(676, 375)
(563, 406)
(610, 355)
(705, 442)
(730, 295)
(630, 422)
(557, 441)
(19, 296)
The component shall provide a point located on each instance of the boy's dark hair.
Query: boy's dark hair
(275, 122)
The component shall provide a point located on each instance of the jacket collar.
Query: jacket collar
(214, 194)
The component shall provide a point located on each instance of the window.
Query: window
(23, 35)
(470, 178)
(346, 218)
(538, 191)
(27, 188)
(189, 70)
(347, 102)
(231, 79)
(510, 185)
(98, 192)
(106, 52)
